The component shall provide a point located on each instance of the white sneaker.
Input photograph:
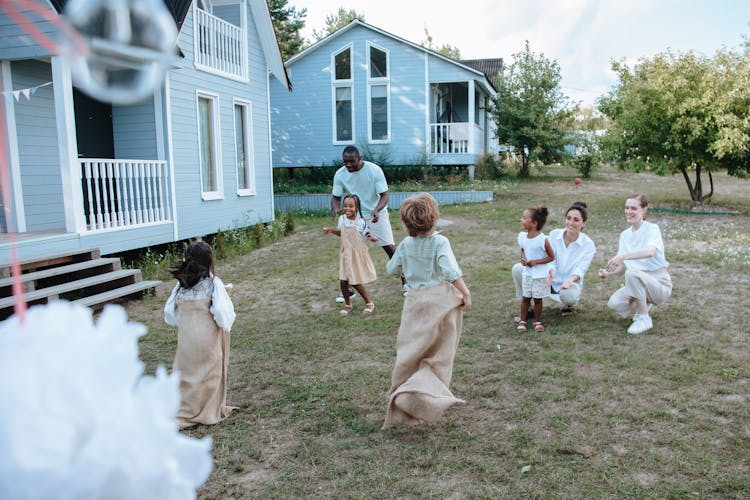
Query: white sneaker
(340, 298)
(405, 289)
(641, 323)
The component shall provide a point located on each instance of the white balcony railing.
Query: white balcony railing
(220, 46)
(456, 138)
(125, 193)
(448, 138)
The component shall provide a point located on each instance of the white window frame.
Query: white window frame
(343, 83)
(247, 113)
(378, 81)
(216, 136)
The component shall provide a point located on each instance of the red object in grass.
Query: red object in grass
(577, 180)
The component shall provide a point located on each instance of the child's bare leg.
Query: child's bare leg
(537, 310)
(345, 291)
(525, 308)
(361, 290)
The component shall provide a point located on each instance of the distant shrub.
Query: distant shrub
(154, 262)
(489, 167)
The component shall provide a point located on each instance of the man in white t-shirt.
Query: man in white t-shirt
(367, 181)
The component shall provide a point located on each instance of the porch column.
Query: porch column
(70, 170)
(472, 111)
(17, 220)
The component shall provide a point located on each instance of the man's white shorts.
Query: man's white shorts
(381, 229)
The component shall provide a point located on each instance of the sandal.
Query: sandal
(538, 327)
(529, 315)
(567, 311)
(345, 310)
(369, 308)
(521, 326)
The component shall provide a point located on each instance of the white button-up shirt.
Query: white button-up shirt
(571, 260)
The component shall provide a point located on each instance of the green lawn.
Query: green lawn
(581, 410)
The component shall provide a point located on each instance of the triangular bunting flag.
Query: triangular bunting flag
(26, 93)
(17, 94)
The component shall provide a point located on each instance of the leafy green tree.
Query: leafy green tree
(588, 118)
(287, 23)
(586, 125)
(531, 112)
(681, 113)
(336, 21)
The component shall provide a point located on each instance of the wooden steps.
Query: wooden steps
(82, 277)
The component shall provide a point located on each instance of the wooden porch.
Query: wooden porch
(80, 276)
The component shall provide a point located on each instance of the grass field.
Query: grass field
(581, 410)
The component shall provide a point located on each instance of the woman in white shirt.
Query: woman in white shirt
(574, 252)
(641, 255)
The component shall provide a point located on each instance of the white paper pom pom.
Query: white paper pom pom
(78, 418)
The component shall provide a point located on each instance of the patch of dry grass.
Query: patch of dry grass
(581, 410)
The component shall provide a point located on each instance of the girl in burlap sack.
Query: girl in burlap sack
(200, 307)
(431, 319)
(355, 266)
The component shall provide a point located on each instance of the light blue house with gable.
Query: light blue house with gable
(193, 158)
(366, 87)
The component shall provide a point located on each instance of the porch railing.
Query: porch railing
(125, 193)
(446, 138)
(220, 46)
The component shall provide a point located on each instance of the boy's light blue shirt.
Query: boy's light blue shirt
(425, 261)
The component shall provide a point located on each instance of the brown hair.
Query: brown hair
(419, 214)
(581, 207)
(641, 199)
(539, 215)
(197, 264)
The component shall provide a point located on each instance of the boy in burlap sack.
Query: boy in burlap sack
(431, 319)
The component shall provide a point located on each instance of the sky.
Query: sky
(583, 36)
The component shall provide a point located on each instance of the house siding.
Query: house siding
(229, 13)
(443, 71)
(37, 148)
(302, 120)
(196, 217)
(134, 129)
(140, 133)
(121, 240)
(16, 43)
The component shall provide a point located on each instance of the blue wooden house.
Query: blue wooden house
(366, 87)
(193, 158)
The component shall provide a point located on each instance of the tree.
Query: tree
(586, 126)
(287, 23)
(336, 21)
(588, 118)
(530, 109)
(445, 49)
(683, 113)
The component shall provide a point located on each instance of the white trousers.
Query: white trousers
(654, 287)
(570, 296)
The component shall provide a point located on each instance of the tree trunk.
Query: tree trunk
(711, 184)
(523, 171)
(696, 188)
